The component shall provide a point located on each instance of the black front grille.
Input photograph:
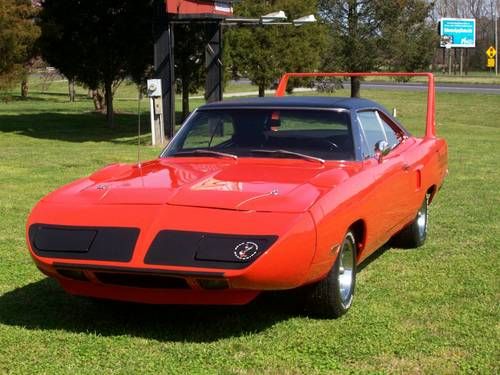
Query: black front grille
(89, 243)
(141, 281)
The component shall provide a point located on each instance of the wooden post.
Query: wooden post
(449, 61)
(461, 62)
(213, 64)
(164, 65)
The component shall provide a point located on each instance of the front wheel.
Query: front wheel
(332, 297)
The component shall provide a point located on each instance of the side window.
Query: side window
(371, 131)
(209, 131)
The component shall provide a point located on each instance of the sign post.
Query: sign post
(496, 37)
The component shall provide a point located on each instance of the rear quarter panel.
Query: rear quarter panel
(428, 161)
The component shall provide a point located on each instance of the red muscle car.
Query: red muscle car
(250, 195)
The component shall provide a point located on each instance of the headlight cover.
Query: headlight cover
(194, 249)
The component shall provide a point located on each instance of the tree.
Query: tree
(378, 34)
(264, 53)
(17, 36)
(98, 42)
(409, 38)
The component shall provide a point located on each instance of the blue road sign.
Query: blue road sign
(458, 32)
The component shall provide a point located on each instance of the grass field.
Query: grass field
(433, 310)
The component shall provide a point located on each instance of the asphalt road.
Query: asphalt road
(411, 86)
(440, 87)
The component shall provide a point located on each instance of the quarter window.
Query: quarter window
(391, 136)
(373, 130)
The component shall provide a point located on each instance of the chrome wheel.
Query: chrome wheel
(346, 271)
(415, 233)
(422, 219)
(333, 296)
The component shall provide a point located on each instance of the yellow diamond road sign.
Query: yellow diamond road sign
(491, 52)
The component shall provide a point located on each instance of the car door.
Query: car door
(389, 174)
(403, 146)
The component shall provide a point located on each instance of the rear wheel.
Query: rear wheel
(415, 233)
(332, 297)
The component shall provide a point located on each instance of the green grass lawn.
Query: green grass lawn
(431, 310)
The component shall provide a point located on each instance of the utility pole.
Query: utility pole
(496, 37)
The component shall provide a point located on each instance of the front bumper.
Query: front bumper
(284, 264)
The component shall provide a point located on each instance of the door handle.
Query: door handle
(406, 167)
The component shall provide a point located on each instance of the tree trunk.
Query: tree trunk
(355, 87)
(262, 91)
(71, 90)
(108, 94)
(353, 54)
(24, 88)
(185, 100)
(98, 100)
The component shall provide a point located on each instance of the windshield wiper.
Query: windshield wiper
(291, 153)
(206, 152)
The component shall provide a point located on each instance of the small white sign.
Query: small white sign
(154, 88)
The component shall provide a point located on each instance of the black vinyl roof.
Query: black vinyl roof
(296, 101)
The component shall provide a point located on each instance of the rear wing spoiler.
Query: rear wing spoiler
(430, 129)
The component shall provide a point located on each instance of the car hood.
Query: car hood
(250, 184)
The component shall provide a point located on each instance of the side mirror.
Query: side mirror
(381, 149)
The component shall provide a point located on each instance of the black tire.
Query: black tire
(415, 233)
(328, 298)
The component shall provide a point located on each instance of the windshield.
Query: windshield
(324, 134)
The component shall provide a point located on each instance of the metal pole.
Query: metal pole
(496, 37)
